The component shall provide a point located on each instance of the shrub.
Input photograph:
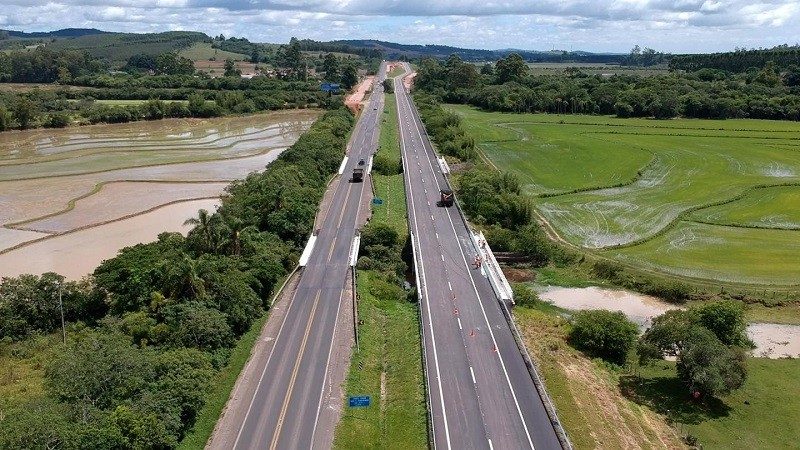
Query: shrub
(609, 335)
(57, 120)
(524, 295)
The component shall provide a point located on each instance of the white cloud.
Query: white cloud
(596, 25)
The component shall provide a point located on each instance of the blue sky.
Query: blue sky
(599, 25)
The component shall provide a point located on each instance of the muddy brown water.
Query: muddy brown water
(772, 340)
(77, 254)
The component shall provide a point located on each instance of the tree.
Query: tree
(171, 63)
(510, 68)
(24, 111)
(349, 76)
(231, 70)
(5, 118)
(388, 86)
(330, 65)
(726, 320)
(609, 335)
(487, 69)
(707, 366)
(197, 326)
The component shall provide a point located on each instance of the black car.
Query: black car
(361, 162)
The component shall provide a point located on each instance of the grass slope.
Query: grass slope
(203, 51)
(633, 188)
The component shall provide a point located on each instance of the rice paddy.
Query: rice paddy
(707, 199)
(71, 198)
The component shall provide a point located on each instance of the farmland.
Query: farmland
(62, 190)
(706, 199)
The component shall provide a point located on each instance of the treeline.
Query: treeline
(150, 328)
(508, 85)
(42, 65)
(741, 60)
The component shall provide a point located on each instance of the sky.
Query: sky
(678, 26)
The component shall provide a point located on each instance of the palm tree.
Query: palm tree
(207, 226)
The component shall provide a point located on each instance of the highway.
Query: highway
(480, 392)
(285, 409)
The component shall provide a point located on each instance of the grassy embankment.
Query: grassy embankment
(396, 71)
(388, 366)
(707, 202)
(609, 407)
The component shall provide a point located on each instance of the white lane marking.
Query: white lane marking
(442, 258)
(491, 447)
(477, 295)
(428, 308)
(437, 235)
(449, 285)
(472, 372)
(429, 203)
(459, 322)
(325, 378)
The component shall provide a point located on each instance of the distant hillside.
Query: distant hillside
(118, 47)
(65, 33)
(393, 50)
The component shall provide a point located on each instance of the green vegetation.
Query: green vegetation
(643, 185)
(152, 335)
(767, 92)
(396, 71)
(606, 334)
(610, 406)
(204, 51)
(388, 364)
(388, 367)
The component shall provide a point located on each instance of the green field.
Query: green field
(204, 51)
(634, 189)
(764, 413)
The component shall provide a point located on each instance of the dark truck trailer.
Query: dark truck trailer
(445, 198)
(358, 175)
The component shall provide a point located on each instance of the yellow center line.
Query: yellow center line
(285, 406)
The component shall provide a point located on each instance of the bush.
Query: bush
(57, 120)
(384, 165)
(707, 366)
(524, 295)
(725, 319)
(609, 335)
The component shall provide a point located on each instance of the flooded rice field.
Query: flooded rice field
(103, 179)
(772, 340)
(76, 254)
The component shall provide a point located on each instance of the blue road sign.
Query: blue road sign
(329, 87)
(377, 201)
(359, 401)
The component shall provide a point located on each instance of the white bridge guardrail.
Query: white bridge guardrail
(307, 251)
(492, 269)
(354, 250)
(443, 166)
(343, 165)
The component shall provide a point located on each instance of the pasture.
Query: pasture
(707, 199)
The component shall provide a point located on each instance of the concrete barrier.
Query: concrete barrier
(307, 251)
(343, 165)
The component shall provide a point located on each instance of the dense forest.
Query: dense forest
(768, 92)
(741, 60)
(149, 329)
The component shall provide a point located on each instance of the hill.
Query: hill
(118, 47)
(392, 50)
(65, 33)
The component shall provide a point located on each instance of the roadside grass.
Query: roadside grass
(396, 71)
(584, 391)
(203, 51)
(388, 367)
(221, 389)
(389, 188)
(389, 140)
(764, 413)
(634, 189)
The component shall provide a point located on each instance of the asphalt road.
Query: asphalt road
(480, 392)
(285, 408)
